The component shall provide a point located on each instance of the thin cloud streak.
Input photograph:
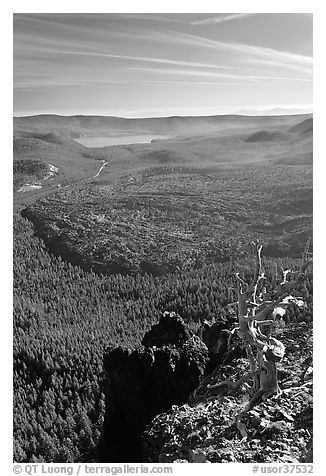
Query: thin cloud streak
(285, 66)
(38, 84)
(216, 20)
(146, 59)
(35, 83)
(241, 78)
(262, 53)
(147, 17)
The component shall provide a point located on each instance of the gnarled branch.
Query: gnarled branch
(263, 351)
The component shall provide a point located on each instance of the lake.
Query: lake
(118, 139)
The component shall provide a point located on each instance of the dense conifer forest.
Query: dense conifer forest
(65, 318)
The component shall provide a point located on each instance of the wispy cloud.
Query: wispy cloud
(149, 17)
(53, 49)
(222, 19)
(247, 53)
(190, 72)
(199, 73)
(48, 83)
(146, 59)
(300, 68)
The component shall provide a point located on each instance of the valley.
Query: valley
(178, 203)
(108, 238)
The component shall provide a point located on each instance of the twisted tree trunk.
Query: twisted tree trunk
(263, 351)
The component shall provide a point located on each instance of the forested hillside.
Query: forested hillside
(64, 319)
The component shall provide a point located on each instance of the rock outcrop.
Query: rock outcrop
(145, 382)
(204, 429)
(161, 406)
(170, 331)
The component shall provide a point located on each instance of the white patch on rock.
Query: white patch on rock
(53, 168)
(29, 187)
(52, 171)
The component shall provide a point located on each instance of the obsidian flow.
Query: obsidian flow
(146, 382)
(58, 245)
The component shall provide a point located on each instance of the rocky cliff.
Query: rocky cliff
(160, 407)
(145, 382)
(204, 429)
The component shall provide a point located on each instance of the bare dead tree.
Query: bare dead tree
(263, 351)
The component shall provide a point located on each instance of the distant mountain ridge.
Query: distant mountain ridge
(303, 127)
(275, 112)
(79, 125)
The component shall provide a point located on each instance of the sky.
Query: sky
(146, 65)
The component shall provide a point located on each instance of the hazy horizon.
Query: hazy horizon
(161, 65)
(243, 112)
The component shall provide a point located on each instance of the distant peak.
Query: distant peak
(278, 111)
